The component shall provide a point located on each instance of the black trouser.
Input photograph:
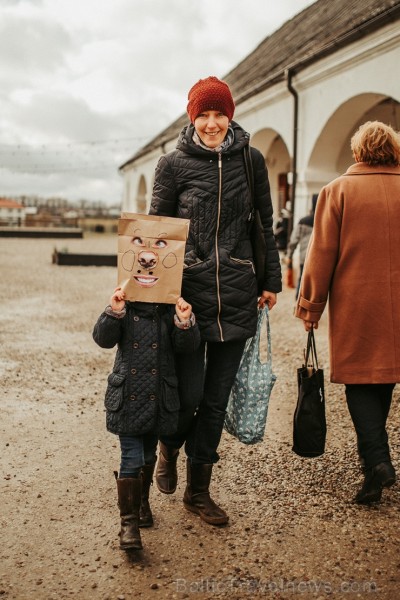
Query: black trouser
(369, 406)
(205, 381)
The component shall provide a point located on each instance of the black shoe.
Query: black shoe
(376, 478)
(386, 473)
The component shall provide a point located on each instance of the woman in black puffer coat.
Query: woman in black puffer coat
(204, 180)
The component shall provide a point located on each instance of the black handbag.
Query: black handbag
(309, 422)
(256, 229)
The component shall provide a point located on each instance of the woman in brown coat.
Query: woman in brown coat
(354, 259)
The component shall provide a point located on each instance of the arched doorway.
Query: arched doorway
(331, 155)
(277, 159)
(141, 196)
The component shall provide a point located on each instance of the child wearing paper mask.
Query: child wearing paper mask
(142, 394)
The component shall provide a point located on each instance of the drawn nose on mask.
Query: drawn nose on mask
(147, 260)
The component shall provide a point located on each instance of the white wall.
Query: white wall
(336, 95)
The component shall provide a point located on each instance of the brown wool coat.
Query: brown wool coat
(354, 259)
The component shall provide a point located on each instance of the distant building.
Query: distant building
(11, 212)
(301, 94)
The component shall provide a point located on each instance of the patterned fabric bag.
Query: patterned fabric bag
(246, 414)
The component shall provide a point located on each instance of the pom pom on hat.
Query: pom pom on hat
(210, 94)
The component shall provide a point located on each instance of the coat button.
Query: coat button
(133, 371)
(136, 318)
(154, 345)
(152, 397)
(136, 345)
(133, 397)
(153, 371)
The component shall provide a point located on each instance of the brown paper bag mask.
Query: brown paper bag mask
(151, 251)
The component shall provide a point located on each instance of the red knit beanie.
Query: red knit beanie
(210, 94)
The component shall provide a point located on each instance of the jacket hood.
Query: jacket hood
(186, 144)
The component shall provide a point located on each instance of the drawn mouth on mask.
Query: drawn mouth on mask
(145, 280)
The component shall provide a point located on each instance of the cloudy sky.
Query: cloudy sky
(86, 83)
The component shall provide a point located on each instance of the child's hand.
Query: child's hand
(183, 309)
(117, 300)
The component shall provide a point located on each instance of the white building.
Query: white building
(301, 94)
(11, 212)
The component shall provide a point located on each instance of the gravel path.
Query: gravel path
(294, 531)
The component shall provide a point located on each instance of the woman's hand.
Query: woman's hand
(117, 300)
(308, 325)
(267, 298)
(183, 309)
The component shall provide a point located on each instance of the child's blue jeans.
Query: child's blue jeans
(136, 451)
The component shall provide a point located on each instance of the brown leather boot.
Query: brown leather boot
(166, 473)
(129, 496)
(145, 514)
(197, 496)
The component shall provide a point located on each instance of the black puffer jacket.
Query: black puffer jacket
(142, 391)
(212, 191)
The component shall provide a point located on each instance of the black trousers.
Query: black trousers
(205, 381)
(369, 406)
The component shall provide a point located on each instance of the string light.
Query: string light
(46, 145)
(74, 156)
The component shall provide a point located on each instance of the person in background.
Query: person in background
(204, 180)
(300, 237)
(142, 396)
(281, 230)
(354, 260)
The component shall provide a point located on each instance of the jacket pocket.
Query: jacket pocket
(237, 274)
(198, 279)
(169, 409)
(115, 392)
(243, 261)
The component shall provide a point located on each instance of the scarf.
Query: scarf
(228, 141)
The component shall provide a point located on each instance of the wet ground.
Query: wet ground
(294, 531)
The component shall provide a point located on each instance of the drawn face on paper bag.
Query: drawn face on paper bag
(151, 252)
(148, 258)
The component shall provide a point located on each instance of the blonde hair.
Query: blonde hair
(376, 144)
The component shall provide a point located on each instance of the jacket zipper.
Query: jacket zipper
(216, 244)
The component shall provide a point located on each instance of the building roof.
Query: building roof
(6, 203)
(317, 31)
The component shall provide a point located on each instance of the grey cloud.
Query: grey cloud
(144, 54)
(29, 46)
(62, 117)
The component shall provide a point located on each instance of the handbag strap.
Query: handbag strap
(311, 351)
(266, 309)
(263, 313)
(248, 165)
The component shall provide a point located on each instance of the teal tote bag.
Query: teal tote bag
(247, 409)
